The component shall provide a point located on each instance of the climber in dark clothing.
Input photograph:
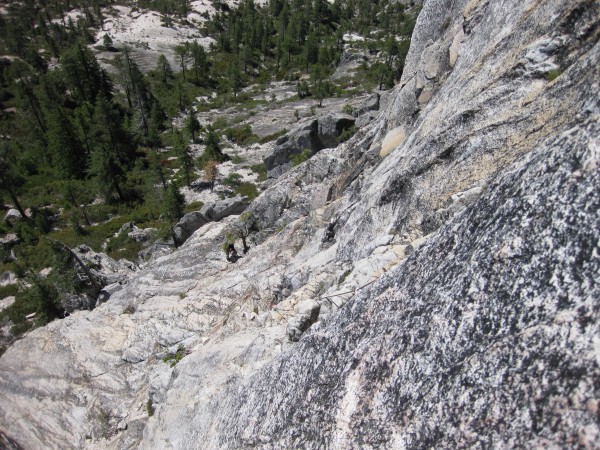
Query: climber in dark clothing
(232, 255)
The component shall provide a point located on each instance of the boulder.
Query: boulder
(187, 225)
(12, 215)
(305, 137)
(76, 302)
(155, 251)
(309, 309)
(9, 240)
(6, 244)
(333, 125)
(313, 136)
(105, 269)
(143, 235)
(107, 291)
(6, 302)
(211, 212)
(371, 103)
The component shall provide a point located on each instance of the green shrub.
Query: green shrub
(9, 290)
(173, 358)
(301, 157)
(261, 170)
(237, 159)
(150, 407)
(129, 309)
(344, 276)
(346, 134)
(553, 75)
(194, 206)
(96, 235)
(241, 135)
(232, 180)
(248, 190)
(41, 298)
(220, 123)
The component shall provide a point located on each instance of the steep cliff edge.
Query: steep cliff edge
(458, 296)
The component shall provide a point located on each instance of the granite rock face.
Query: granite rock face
(455, 306)
(442, 351)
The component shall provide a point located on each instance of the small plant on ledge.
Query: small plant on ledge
(173, 358)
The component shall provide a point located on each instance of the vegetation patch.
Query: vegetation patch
(261, 170)
(248, 190)
(9, 290)
(123, 246)
(553, 75)
(193, 206)
(301, 157)
(150, 408)
(272, 137)
(241, 135)
(347, 134)
(173, 358)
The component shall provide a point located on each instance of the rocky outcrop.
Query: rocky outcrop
(304, 137)
(332, 126)
(12, 215)
(211, 212)
(143, 236)
(307, 313)
(105, 269)
(457, 301)
(367, 111)
(310, 137)
(371, 103)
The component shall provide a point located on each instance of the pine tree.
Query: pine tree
(155, 165)
(182, 150)
(213, 149)
(191, 124)
(183, 53)
(164, 69)
(155, 125)
(24, 78)
(311, 50)
(199, 62)
(247, 223)
(172, 205)
(10, 178)
(235, 77)
(111, 150)
(138, 94)
(72, 193)
(320, 85)
(172, 208)
(64, 145)
(87, 80)
(107, 42)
